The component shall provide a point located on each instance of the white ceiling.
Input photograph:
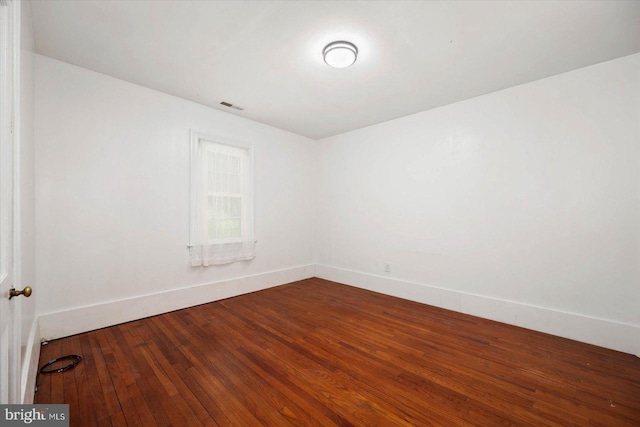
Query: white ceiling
(266, 56)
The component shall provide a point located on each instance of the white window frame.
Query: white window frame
(197, 176)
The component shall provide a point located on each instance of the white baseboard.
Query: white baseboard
(30, 364)
(601, 332)
(82, 319)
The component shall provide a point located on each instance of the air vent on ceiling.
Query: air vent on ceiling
(226, 104)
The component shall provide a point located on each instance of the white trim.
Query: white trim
(82, 319)
(10, 123)
(17, 195)
(606, 333)
(16, 127)
(17, 247)
(193, 179)
(30, 368)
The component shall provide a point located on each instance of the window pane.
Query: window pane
(210, 170)
(222, 162)
(234, 230)
(235, 207)
(229, 228)
(225, 207)
(234, 165)
(211, 219)
(223, 217)
(220, 183)
(234, 183)
(223, 192)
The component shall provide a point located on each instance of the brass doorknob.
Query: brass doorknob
(27, 291)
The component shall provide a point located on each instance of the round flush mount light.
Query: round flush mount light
(340, 54)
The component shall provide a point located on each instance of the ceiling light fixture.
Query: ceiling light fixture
(340, 54)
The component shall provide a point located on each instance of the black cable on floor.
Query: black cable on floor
(75, 359)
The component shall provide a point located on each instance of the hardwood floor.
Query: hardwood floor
(317, 353)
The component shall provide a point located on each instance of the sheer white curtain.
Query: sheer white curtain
(221, 203)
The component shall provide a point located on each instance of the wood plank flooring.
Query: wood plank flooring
(317, 353)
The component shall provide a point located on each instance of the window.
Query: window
(221, 202)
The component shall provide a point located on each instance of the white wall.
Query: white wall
(522, 205)
(112, 199)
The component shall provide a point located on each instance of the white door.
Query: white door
(9, 309)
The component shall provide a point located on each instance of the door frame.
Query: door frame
(12, 115)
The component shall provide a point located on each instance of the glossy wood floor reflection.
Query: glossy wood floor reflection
(316, 353)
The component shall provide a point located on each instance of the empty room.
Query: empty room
(318, 213)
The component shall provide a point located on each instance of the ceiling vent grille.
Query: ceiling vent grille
(227, 104)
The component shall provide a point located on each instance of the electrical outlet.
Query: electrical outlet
(387, 267)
